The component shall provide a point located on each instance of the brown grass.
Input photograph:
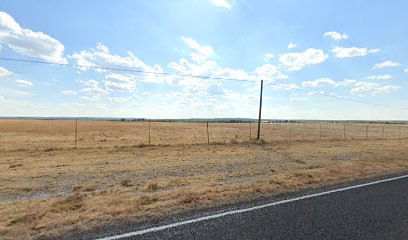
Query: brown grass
(47, 192)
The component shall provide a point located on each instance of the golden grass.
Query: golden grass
(48, 188)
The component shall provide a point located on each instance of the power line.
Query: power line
(122, 69)
(194, 76)
(334, 96)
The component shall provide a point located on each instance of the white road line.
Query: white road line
(200, 219)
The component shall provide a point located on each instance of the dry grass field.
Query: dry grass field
(49, 188)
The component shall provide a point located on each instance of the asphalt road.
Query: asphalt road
(377, 211)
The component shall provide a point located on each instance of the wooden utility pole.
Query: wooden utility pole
(260, 113)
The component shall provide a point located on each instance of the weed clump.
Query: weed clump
(146, 200)
(126, 183)
(190, 198)
(70, 203)
(152, 187)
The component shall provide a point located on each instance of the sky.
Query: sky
(305, 51)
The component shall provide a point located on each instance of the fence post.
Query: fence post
(366, 132)
(149, 132)
(208, 135)
(320, 131)
(344, 132)
(290, 132)
(383, 132)
(76, 132)
(399, 135)
(250, 131)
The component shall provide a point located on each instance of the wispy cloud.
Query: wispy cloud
(222, 3)
(336, 36)
(296, 61)
(342, 52)
(386, 64)
(379, 77)
(291, 45)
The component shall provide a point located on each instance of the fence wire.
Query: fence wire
(50, 134)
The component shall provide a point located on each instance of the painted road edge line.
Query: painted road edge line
(238, 211)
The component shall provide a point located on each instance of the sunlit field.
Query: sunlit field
(50, 188)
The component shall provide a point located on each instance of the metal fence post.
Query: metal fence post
(250, 131)
(399, 134)
(344, 132)
(366, 132)
(383, 131)
(290, 132)
(149, 132)
(320, 131)
(76, 132)
(208, 135)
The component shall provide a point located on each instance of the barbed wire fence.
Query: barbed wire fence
(55, 134)
(86, 134)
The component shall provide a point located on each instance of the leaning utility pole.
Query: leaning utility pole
(260, 113)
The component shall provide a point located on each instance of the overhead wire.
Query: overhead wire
(198, 77)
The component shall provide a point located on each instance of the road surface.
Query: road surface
(372, 210)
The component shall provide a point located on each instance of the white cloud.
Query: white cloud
(335, 35)
(268, 56)
(102, 57)
(345, 83)
(27, 42)
(269, 72)
(69, 92)
(296, 61)
(319, 82)
(386, 64)
(379, 77)
(93, 89)
(120, 82)
(298, 99)
(4, 72)
(222, 3)
(201, 53)
(364, 88)
(291, 45)
(406, 70)
(24, 83)
(342, 52)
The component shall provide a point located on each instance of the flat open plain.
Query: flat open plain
(49, 188)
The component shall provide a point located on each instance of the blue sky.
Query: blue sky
(350, 49)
